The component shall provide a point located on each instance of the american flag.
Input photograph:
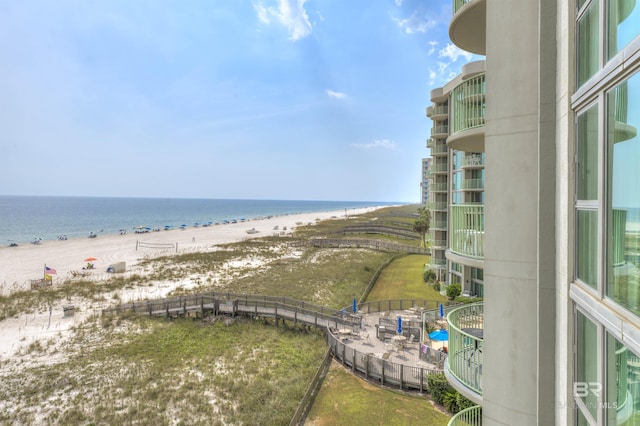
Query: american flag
(49, 271)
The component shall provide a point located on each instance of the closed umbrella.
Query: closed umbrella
(355, 305)
(441, 311)
(399, 325)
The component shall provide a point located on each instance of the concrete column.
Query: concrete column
(519, 245)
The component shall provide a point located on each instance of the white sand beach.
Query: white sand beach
(19, 265)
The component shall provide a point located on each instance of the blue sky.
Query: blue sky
(262, 99)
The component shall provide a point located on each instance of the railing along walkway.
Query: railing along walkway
(385, 371)
(367, 243)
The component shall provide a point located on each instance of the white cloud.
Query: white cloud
(336, 95)
(290, 14)
(432, 46)
(398, 2)
(377, 144)
(453, 53)
(414, 24)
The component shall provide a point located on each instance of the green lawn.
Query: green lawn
(403, 280)
(348, 400)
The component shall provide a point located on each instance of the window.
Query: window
(624, 25)
(587, 247)
(586, 374)
(623, 189)
(587, 197)
(588, 41)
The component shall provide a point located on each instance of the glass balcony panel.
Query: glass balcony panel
(468, 104)
(466, 330)
(467, 230)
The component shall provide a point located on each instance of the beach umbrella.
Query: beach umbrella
(399, 325)
(441, 311)
(439, 335)
(90, 259)
(355, 305)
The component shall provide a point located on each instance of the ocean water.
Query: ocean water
(24, 218)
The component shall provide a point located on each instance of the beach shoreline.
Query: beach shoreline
(19, 265)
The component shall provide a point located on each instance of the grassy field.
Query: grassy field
(403, 280)
(345, 399)
(348, 400)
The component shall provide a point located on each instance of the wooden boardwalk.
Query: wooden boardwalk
(405, 370)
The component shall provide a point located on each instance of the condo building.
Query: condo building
(538, 149)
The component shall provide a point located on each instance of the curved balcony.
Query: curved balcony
(473, 161)
(473, 184)
(437, 263)
(439, 187)
(471, 416)
(463, 367)
(440, 225)
(439, 149)
(440, 112)
(468, 27)
(441, 131)
(467, 115)
(621, 130)
(436, 169)
(438, 95)
(467, 230)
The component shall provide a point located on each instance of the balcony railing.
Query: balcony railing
(438, 148)
(468, 104)
(473, 184)
(440, 130)
(466, 328)
(439, 187)
(473, 160)
(440, 110)
(471, 416)
(467, 230)
(438, 168)
(437, 263)
(439, 224)
(437, 205)
(457, 4)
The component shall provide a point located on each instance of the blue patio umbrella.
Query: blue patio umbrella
(399, 325)
(355, 305)
(441, 311)
(439, 335)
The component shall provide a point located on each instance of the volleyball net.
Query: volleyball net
(158, 246)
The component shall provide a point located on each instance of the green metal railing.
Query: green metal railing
(467, 229)
(466, 325)
(471, 416)
(440, 110)
(439, 187)
(457, 4)
(438, 149)
(440, 130)
(437, 263)
(470, 160)
(468, 104)
(437, 205)
(473, 184)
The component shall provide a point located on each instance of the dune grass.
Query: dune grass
(152, 371)
(403, 280)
